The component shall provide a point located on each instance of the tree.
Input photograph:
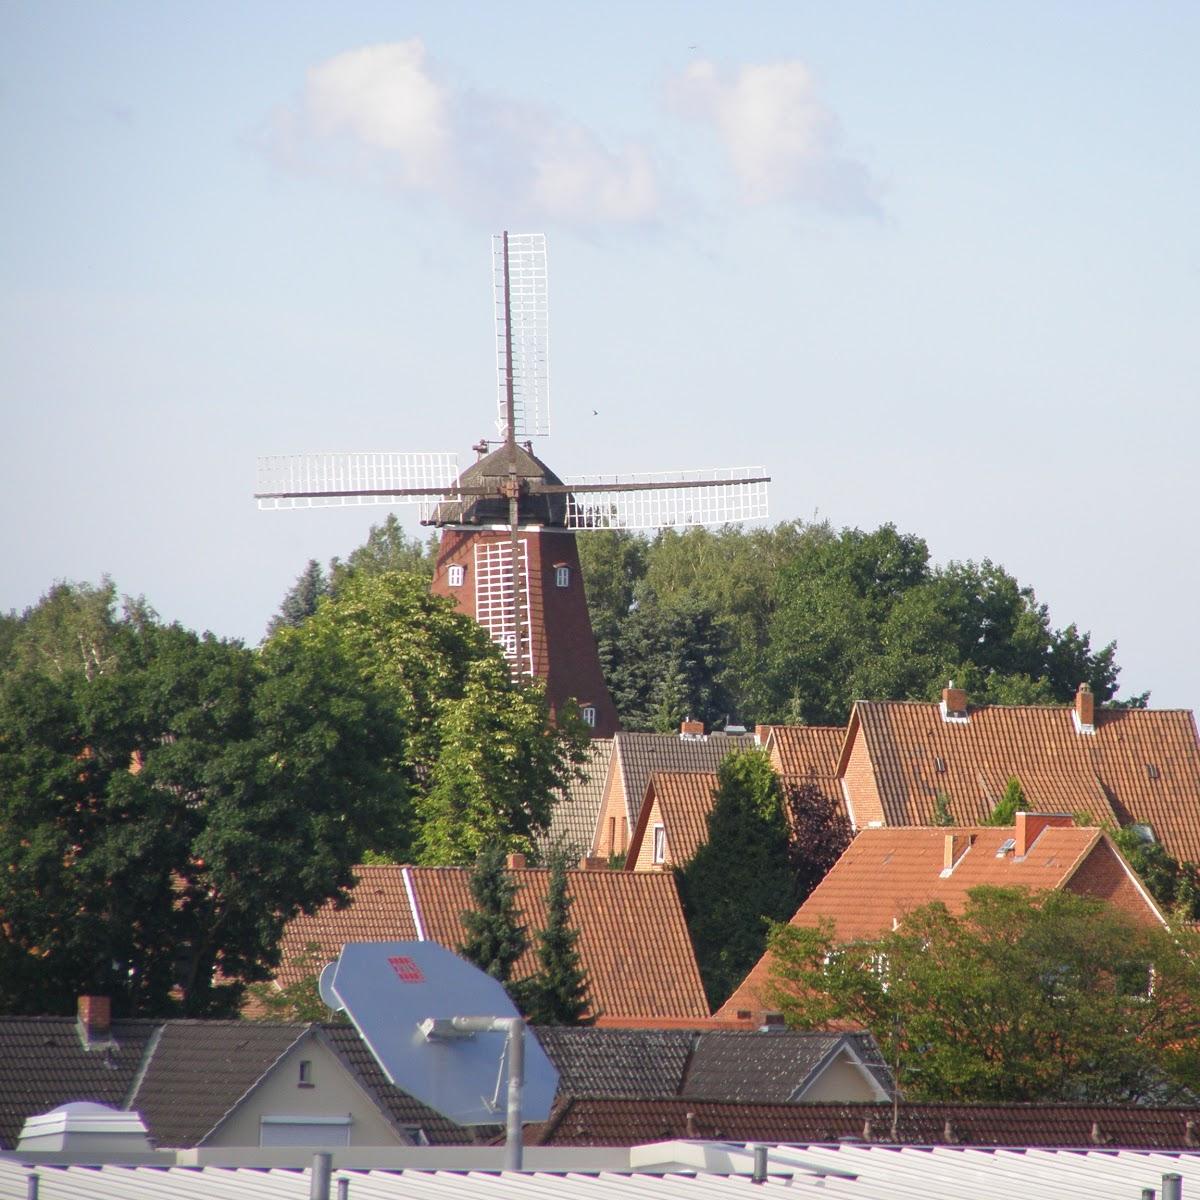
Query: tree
(301, 601)
(165, 807)
(1174, 884)
(819, 832)
(495, 936)
(1010, 803)
(558, 993)
(387, 548)
(1021, 997)
(741, 876)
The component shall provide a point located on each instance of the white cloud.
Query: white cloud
(782, 141)
(384, 98)
(405, 127)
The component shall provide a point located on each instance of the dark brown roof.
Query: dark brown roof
(618, 1062)
(633, 941)
(638, 755)
(1139, 765)
(573, 820)
(606, 1122)
(43, 1064)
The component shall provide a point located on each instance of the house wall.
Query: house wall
(862, 791)
(1104, 876)
(843, 1081)
(645, 849)
(333, 1093)
(612, 826)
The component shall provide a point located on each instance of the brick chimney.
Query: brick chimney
(954, 702)
(957, 844)
(1085, 708)
(94, 1021)
(1029, 825)
(596, 863)
(761, 734)
(515, 861)
(691, 729)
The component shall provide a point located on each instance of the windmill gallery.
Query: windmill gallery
(508, 555)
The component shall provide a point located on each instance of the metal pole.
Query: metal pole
(343, 1188)
(1172, 1186)
(31, 1186)
(760, 1165)
(322, 1172)
(513, 1149)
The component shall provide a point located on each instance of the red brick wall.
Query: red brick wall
(1104, 876)
(865, 804)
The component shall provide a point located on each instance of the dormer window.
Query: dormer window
(588, 713)
(456, 576)
(562, 576)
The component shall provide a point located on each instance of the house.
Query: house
(577, 807)
(633, 942)
(776, 1065)
(217, 1084)
(885, 873)
(672, 823)
(637, 756)
(1120, 766)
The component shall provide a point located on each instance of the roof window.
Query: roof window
(1151, 771)
(1006, 847)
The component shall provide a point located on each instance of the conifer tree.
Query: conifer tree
(558, 994)
(495, 936)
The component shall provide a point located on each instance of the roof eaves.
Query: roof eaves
(852, 727)
(842, 1045)
(143, 1067)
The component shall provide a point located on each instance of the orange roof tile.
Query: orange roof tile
(1140, 764)
(633, 941)
(684, 799)
(806, 751)
(886, 873)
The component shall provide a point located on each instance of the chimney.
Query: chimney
(954, 703)
(691, 729)
(1085, 710)
(95, 1019)
(957, 844)
(515, 861)
(761, 733)
(1029, 825)
(593, 864)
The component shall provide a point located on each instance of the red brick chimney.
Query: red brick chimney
(596, 863)
(954, 701)
(691, 729)
(957, 844)
(95, 1017)
(1029, 825)
(761, 734)
(1085, 706)
(515, 860)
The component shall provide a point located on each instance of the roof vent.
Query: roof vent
(939, 764)
(85, 1128)
(735, 730)
(954, 705)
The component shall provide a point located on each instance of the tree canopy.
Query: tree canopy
(1044, 997)
(794, 623)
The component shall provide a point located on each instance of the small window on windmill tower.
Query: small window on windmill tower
(456, 575)
(588, 713)
(562, 575)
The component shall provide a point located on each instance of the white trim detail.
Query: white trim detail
(413, 907)
(1080, 727)
(953, 718)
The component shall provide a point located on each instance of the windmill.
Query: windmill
(508, 555)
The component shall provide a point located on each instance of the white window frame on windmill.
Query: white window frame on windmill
(456, 575)
(588, 713)
(494, 607)
(562, 575)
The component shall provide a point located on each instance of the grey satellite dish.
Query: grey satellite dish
(325, 987)
(441, 1029)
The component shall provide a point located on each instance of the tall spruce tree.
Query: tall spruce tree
(495, 936)
(558, 994)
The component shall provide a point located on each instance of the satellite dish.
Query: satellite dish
(325, 987)
(436, 1024)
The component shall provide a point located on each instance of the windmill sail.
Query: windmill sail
(667, 499)
(339, 477)
(519, 284)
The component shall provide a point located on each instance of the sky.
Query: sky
(933, 264)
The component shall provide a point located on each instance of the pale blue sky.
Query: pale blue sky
(936, 264)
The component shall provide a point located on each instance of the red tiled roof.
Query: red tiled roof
(608, 1122)
(886, 873)
(806, 750)
(1139, 765)
(633, 942)
(684, 800)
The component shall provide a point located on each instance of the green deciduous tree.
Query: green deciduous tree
(741, 877)
(1020, 998)
(1011, 802)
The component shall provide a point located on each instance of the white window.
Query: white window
(562, 576)
(456, 575)
(310, 1132)
(588, 713)
(660, 844)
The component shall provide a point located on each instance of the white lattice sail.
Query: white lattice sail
(529, 331)
(351, 471)
(494, 608)
(742, 498)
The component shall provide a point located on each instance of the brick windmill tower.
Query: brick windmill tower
(508, 555)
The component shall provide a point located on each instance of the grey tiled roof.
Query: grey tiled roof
(641, 754)
(574, 817)
(618, 1062)
(43, 1064)
(199, 1070)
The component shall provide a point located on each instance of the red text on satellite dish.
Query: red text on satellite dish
(406, 970)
